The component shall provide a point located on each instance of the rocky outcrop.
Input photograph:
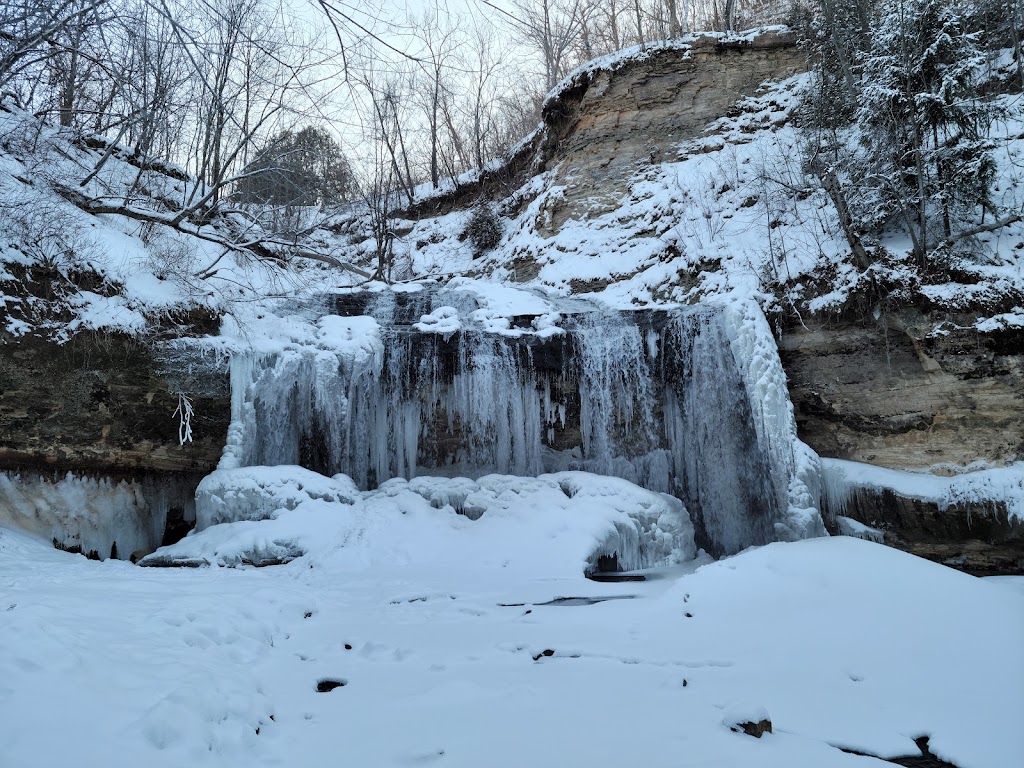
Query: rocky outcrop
(908, 390)
(88, 436)
(613, 122)
(619, 115)
(100, 403)
(979, 538)
(913, 390)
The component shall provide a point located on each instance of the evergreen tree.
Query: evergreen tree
(925, 159)
(483, 229)
(302, 168)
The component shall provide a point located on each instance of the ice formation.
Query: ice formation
(795, 467)
(691, 402)
(579, 521)
(97, 516)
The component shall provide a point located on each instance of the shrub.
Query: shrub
(483, 229)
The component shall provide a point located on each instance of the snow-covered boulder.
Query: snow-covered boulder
(752, 719)
(260, 493)
(565, 524)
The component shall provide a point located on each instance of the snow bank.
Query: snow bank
(567, 520)
(1002, 485)
(890, 641)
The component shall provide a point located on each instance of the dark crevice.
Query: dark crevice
(924, 760)
(327, 685)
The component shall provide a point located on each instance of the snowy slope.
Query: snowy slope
(729, 211)
(65, 268)
(733, 211)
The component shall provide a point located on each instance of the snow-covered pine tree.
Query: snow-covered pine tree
(925, 159)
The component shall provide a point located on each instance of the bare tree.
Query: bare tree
(28, 29)
(554, 29)
(441, 40)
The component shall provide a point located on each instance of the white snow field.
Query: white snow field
(443, 630)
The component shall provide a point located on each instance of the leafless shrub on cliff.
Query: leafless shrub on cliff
(48, 233)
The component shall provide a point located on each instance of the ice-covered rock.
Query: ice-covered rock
(260, 493)
(849, 527)
(842, 480)
(564, 522)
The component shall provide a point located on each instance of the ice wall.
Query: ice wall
(97, 516)
(690, 402)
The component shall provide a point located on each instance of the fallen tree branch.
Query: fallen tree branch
(262, 248)
(980, 229)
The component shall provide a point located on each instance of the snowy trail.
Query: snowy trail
(844, 642)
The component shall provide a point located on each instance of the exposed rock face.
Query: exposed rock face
(893, 392)
(978, 538)
(617, 122)
(610, 123)
(99, 404)
(896, 393)
(100, 408)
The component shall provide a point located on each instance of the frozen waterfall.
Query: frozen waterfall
(690, 402)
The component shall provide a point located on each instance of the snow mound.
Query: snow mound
(889, 640)
(443, 320)
(260, 493)
(569, 522)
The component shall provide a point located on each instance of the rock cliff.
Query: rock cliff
(616, 117)
(915, 390)
(907, 391)
(89, 443)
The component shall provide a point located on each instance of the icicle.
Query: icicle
(694, 404)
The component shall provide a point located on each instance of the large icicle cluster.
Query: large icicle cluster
(691, 402)
(96, 516)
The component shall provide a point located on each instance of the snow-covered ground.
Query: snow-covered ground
(455, 661)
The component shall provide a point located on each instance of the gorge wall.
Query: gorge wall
(911, 389)
(89, 440)
(915, 389)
